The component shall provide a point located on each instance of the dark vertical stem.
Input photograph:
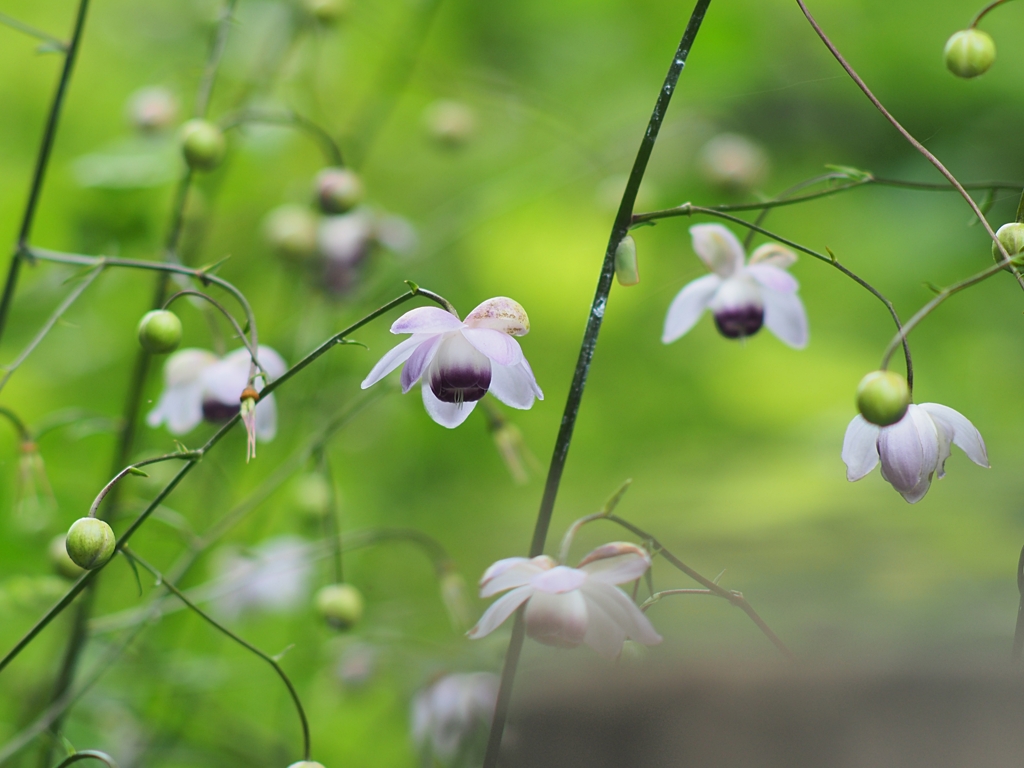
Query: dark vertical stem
(42, 162)
(1018, 635)
(623, 219)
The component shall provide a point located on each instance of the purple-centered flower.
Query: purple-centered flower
(568, 606)
(742, 297)
(459, 361)
(911, 450)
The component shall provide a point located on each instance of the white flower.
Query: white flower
(449, 713)
(199, 385)
(459, 362)
(273, 577)
(568, 606)
(912, 449)
(346, 240)
(740, 296)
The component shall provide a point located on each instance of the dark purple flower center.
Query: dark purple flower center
(739, 322)
(459, 384)
(217, 412)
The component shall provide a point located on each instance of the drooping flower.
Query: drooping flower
(450, 718)
(913, 449)
(742, 297)
(199, 385)
(347, 240)
(273, 577)
(459, 361)
(568, 606)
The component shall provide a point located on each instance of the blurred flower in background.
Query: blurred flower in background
(34, 502)
(273, 577)
(451, 717)
(734, 162)
(152, 109)
(450, 123)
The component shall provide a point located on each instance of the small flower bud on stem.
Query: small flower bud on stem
(159, 331)
(883, 397)
(90, 543)
(969, 53)
(341, 605)
(203, 145)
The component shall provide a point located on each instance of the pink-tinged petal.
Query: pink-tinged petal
(616, 563)
(512, 572)
(426, 320)
(500, 314)
(860, 448)
(394, 358)
(901, 454)
(418, 362)
(499, 347)
(918, 492)
(500, 610)
(774, 254)
(688, 305)
(785, 316)
(559, 579)
(603, 634)
(542, 563)
(617, 605)
(557, 619)
(266, 419)
(928, 432)
(773, 278)
(964, 434)
(448, 415)
(514, 385)
(718, 248)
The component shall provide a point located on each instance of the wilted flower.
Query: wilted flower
(568, 606)
(273, 577)
(459, 362)
(451, 717)
(199, 385)
(740, 296)
(733, 161)
(912, 449)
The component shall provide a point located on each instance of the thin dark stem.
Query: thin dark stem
(620, 228)
(1018, 634)
(24, 434)
(981, 14)
(133, 469)
(327, 143)
(28, 29)
(230, 318)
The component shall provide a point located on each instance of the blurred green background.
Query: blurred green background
(734, 448)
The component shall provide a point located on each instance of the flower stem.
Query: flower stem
(291, 119)
(31, 31)
(1018, 634)
(88, 754)
(981, 14)
(620, 228)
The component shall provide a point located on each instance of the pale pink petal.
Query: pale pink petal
(901, 454)
(559, 579)
(718, 248)
(964, 434)
(499, 347)
(860, 448)
(500, 314)
(621, 609)
(556, 619)
(603, 634)
(394, 358)
(426, 320)
(784, 315)
(773, 278)
(418, 361)
(774, 254)
(915, 494)
(448, 415)
(515, 574)
(688, 305)
(500, 610)
(542, 562)
(616, 563)
(514, 385)
(224, 380)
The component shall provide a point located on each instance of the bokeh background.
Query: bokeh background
(733, 448)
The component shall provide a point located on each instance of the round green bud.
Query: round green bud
(203, 145)
(341, 605)
(292, 232)
(326, 11)
(90, 543)
(338, 190)
(883, 397)
(61, 560)
(1012, 238)
(969, 52)
(159, 331)
(312, 496)
(626, 269)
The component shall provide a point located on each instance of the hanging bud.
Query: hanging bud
(341, 605)
(152, 109)
(291, 231)
(249, 398)
(969, 53)
(883, 397)
(626, 270)
(1012, 238)
(90, 543)
(34, 503)
(61, 560)
(453, 595)
(160, 331)
(450, 123)
(203, 145)
(312, 496)
(338, 190)
(326, 11)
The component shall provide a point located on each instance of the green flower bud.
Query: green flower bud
(326, 11)
(61, 560)
(626, 270)
(312, 496)
(341, 605)
(159, 331)
(291, 231)
(338, 190)
(969, 52)
(883, 397)
(90, 543)
(203, 145)
(1012, 237)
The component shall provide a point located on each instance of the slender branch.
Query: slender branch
(327, 143)
(24, 434)
(981, 14)
(133, 469)
(230, 318)
(28, 29)
(88, 754)
(623, 219)
(656, 597)
(220, 41)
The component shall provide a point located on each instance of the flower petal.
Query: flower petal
(426, 320)
(418, 361)
(774, 254)
(901, 453)
(784, 315)
(604, 634)
(181, 407)
(499, 347)
(266, 418)
(557, 619)
(508, 573)
(964, 434)
(918, 492)
(688, 305)
(860, 448)
(224, 381)
(773, 278)
(448, 415)
(616, 563)
(500, 314)
(617, 605)
(514, 385)
(718, 248)
(558, 580)
(392, 359)
(499, 610)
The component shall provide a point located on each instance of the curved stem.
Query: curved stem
(656, 597)
(133, 470)
(230, 318)
(981, 14)
(24, 435)
(327, 143)
(220, 41)
(88, 754)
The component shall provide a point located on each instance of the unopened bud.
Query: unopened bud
(326, 11)
(312, 496)
(626, 270)
(160, 331)
(291, 231)
(152, 109)
(203, 145)
(341, 605)
(883, 397)
(450, 123)
(338, 190)
(969, 52)
(90, 543)
(1011, 236)
(61, 560)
